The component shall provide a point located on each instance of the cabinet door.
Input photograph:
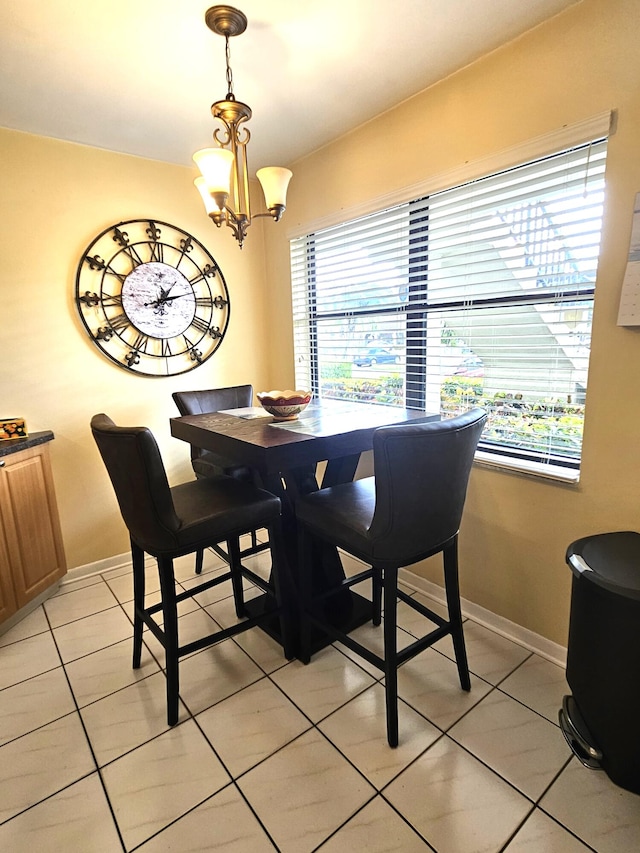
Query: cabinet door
(8, 604)
(31, 525)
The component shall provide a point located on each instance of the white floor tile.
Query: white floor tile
(26, 658)
(376, 828)
(304, 792)
(154, 785)
(122, 585)
(251, 725)
(33, 703)
(540, 685)
(124, 720)
(79, 603)
(103, 672)
(415, 622)
(372, 637)
(215, 673)
(310, 788)
(597, 811)
(455, 802)
(76, 819)
(520, 745)
(540, 834)
(321, 686)
(430, 683)
(39, 764)
(359, 731)
(491, 656)
(185, 608)
(224, 823)
(32, 624)
(262, 649)
(92, 633)
(215, 593)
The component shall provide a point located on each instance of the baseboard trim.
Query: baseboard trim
(523, 636)
(118, 561)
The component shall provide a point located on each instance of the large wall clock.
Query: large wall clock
(152, 298)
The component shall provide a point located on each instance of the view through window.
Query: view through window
(477, 295)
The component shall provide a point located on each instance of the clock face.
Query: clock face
(152, 298)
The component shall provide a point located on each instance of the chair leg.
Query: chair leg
(452, 589)
(376, 593)
(390, 586)
(137, 560)
(233, 548)
(170, 614)
(305, 593)
(199, 561)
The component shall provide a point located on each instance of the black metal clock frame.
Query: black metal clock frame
(169, 334)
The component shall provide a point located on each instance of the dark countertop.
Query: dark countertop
(13, 445)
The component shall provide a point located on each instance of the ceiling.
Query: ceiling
(139, 77)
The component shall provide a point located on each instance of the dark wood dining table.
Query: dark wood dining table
(284, 457)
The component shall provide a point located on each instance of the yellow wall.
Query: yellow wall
(582, 62)
(56, 197)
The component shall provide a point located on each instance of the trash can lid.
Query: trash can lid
(610, 560)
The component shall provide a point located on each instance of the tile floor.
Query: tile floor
(270, 755)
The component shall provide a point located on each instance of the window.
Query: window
(481, 294)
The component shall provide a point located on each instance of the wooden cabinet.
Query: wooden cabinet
(31, 551)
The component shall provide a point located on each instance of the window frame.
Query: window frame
(418, 308)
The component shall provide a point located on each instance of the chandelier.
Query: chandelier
(224, 179)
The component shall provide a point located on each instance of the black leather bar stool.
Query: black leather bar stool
(205, 463)
(168, 522)
(410, 510)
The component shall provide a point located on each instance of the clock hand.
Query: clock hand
(177, 296)
(162, 300)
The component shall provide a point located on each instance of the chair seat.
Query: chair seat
(218, 507)
(342, 513)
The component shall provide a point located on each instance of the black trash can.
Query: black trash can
(601, 719)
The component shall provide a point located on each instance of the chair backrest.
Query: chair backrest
(136, 470)
(212, 400)
(421, 477)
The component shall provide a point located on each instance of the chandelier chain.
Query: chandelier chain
(229, 71)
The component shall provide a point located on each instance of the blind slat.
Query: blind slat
(478, 294)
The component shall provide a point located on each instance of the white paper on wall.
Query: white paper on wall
(629, 312)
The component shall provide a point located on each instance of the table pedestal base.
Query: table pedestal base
(355, 611)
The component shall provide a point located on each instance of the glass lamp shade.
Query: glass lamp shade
(215, 166)
(274, 181)
(209, 202)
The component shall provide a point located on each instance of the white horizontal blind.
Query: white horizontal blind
(479, 294)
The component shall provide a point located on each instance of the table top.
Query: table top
(327, 429)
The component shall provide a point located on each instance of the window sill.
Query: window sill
(541, 470)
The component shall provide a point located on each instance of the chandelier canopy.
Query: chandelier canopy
(224, 180)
